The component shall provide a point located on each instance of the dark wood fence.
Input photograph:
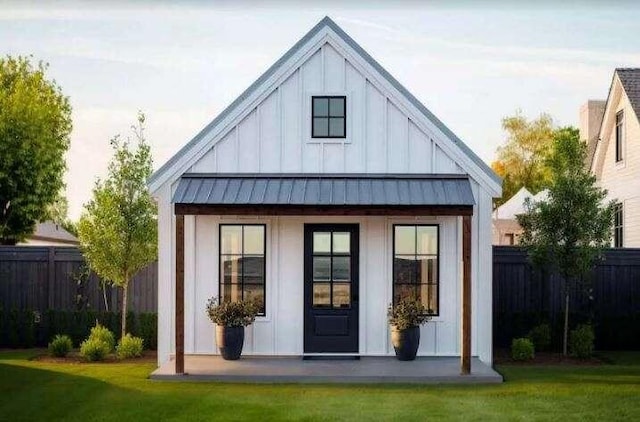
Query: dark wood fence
(524, 296)
(41, 278)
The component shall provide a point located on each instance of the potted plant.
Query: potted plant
(230, 319)
(405, 319)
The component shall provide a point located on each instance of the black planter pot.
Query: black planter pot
(230, 340)
(405, 342)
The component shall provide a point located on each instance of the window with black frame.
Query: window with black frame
(618, 226)
(329, 117)
(415, 264)
(242, 263)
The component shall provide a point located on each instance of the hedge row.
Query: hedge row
(612, 333)
(24, 329)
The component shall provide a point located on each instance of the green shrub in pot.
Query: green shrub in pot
(230, 319)
(405, 319)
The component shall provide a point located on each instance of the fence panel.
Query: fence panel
(524, 296)
(41, 278)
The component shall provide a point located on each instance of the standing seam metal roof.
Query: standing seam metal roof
(325, 189)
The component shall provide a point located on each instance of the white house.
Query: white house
(612, 129)
(326, 191)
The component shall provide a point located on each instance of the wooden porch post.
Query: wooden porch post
(179, 294)
(465, 357)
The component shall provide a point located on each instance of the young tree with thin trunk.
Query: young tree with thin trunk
(566, 232)
(118, 228)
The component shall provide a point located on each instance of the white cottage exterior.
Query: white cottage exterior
(325, 190)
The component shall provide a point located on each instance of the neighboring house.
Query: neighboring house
(506, 230)
(49, 233)
(615, 151)
(326, 191)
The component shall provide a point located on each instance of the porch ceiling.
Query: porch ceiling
(324, 194)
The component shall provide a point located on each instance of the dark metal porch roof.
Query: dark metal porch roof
(324, 190)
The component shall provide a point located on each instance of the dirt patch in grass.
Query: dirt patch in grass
(74, 357)
(503, 356)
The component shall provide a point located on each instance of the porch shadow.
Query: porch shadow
(370, 370)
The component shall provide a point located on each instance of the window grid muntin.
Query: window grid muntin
(415, 255)
(242, 283)
(328, 116)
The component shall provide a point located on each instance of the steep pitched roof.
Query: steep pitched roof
(325, 22)
(630, 78)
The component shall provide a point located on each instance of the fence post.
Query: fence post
(51, 278)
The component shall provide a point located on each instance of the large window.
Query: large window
(415, 264)
(619, 135)
(242, 263)
(329, 117)
(618, 226)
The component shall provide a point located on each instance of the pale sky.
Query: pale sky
(470, 64)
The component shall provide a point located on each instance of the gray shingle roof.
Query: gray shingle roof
(323, 189)
(630, 78)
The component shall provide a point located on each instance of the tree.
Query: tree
(35, 124)
(58, 212)
(568, 230)
(118, 227)
(520, 161)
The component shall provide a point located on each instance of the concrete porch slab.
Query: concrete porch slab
(254, 369)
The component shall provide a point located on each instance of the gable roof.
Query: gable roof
(154, 180)
(630, 79)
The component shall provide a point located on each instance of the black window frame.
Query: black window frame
(416, 254)
(264, 257)
(618, 226)
(619, 133)
(328, 116)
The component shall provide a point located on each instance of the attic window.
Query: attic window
(329, 117)
(619, 135)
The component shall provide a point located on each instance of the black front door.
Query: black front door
(331, 288)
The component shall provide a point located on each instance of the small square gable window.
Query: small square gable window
(329, 117)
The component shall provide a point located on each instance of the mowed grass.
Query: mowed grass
(32, 390)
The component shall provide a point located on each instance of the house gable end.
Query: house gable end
(267, 129)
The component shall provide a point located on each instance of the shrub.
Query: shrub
(407, 313)
(129, 347)
(232, 314)
(94, 349)
(581, 341)
(60, 346)
(522, 349)
(540, 335)
(103, 334)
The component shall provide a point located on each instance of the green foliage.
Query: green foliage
(104, 335)
(521, 160)
(522, 349)
(232, 314)
(407, 313)
(581, 341)
(118, 228)
(567, 232)
(94, 349)
(540, 335)
(35, 124)
(129, 347)
(60, 346)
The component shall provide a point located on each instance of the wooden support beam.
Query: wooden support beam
(179, 294)
(465, 357)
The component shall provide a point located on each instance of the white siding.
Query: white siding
(622, 179)
(275, 136)
(280, 332)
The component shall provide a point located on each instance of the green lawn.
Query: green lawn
(31, 390)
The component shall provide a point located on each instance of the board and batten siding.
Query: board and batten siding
(274, 136)
(622, 180)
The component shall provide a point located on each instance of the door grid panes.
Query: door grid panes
(331, 269)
